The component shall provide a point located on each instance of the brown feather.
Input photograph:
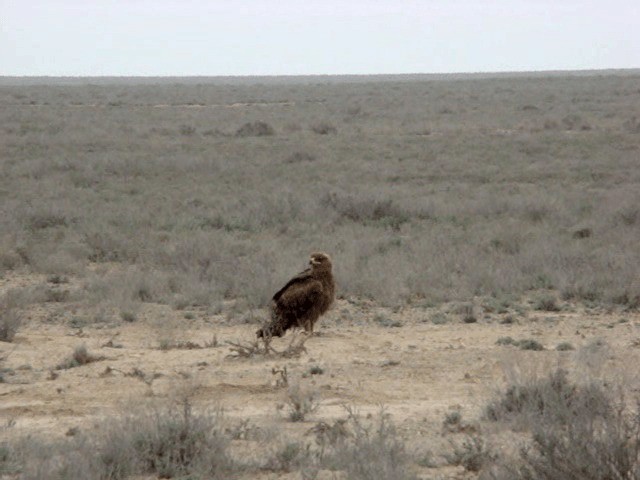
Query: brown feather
(303, 299)
(300, 278)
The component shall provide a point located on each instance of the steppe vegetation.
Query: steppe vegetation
(485, 235)
(423, 191)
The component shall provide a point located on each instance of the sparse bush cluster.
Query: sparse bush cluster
(176, 442)
(364, 449)
(551, 398)
(169, 442)
(577, 431)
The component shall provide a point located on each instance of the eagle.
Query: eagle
(303, 299)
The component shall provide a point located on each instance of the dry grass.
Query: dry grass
(172, 440)
(300, 402)
(487, 203)
(366, 449)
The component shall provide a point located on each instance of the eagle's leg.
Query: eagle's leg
(308, 327)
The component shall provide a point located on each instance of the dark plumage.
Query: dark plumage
(303, 299)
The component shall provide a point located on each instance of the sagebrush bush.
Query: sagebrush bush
(549, 399)
(589, 447)
(166, 442)
(472, 453)
(255, 129)
(301, 402)
(324, 128)
(577, 431)
(372, 450)
(547, 303)
(79, 357)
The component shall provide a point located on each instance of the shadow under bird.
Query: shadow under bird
(301, 302)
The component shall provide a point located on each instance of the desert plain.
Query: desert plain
(485, 237)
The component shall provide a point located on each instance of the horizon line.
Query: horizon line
(276, 75)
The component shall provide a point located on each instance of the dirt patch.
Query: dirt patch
(418, 370)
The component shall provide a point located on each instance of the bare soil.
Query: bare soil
(369, 357)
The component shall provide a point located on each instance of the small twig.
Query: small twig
(283, 381)
(248, 350)
(295, 348)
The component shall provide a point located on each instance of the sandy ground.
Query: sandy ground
(417, 370)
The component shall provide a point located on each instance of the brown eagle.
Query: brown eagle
(303, 299)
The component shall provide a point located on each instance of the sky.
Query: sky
(305, 37)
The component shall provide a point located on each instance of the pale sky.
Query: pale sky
(287, 37)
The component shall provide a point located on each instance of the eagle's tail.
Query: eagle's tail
(274, 328)
(269, 331)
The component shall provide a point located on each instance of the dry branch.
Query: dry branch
(256, 347)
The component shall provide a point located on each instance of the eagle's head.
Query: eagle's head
(320, 260)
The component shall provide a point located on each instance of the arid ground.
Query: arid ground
(484, 233)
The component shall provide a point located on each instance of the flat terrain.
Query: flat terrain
(150, 223)
(417, 370)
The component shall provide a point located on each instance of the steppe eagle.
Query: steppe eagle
(303, 299)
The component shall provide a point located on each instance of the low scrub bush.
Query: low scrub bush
(472, 454)
(367, 210)
(589, 447)
(324, 128)
(169, 442)
(255, 129)
(580, 431)
(301, 402)
(79, 357)
(552, 399)
(298, 157)
(547, 303)
(526, 344)
(367, 450)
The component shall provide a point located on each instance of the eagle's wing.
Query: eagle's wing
(299, 297)
(301, 277)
